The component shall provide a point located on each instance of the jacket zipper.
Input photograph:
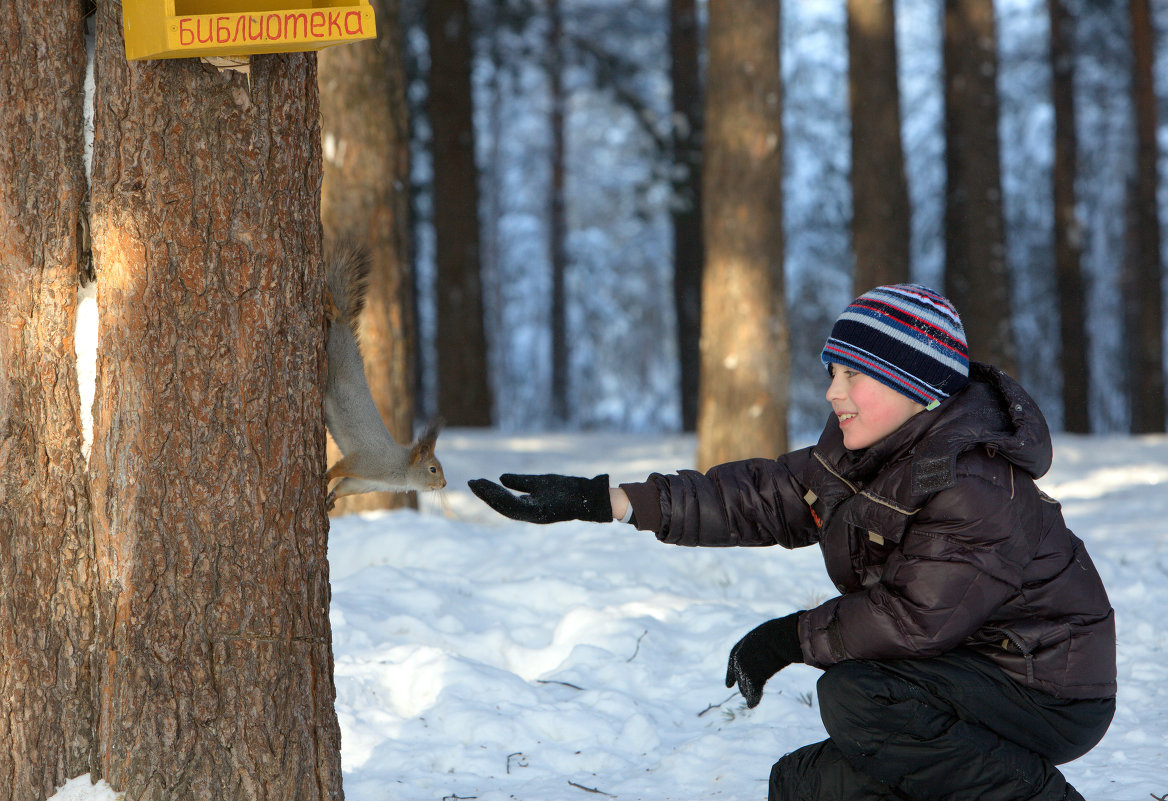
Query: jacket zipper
(828, 468)
(889, 504)
(1012, 639)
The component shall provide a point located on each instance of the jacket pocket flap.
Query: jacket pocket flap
(884, 520)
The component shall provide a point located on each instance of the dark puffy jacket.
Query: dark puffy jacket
(936, 537)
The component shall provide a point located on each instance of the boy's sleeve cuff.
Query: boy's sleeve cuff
(644, 500)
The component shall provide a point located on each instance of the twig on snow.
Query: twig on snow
(564, 683)
(715, 706)
(521, 761)
(591, 789)
(637, 650)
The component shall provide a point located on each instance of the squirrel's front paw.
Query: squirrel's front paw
(330, 501)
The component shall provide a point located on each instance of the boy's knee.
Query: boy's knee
(821, 772)
(849, 689)
(797, 776)
(862, 705)
(781, 786)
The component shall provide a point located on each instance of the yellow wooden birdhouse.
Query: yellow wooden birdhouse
(209, 28)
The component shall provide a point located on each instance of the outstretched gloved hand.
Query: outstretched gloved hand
(761, 654)
(550, 498)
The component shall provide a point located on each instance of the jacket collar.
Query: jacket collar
(993, 410)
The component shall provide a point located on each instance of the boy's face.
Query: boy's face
(867, 410)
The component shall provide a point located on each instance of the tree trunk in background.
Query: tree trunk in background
(880, 207)
(365, 197)
(1073, 362)
(745, 343)
(557, 224)
(463, 392)
(1145, 341)
(208, 455)
(47, 666)
(976, 275)
(688, 247)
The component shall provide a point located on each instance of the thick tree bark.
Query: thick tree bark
(688, 246)
(463, 392)
(880, 207)
(1146, 340)
(47, 609)
(745, 343)
(976, 276)
(1073, 361)
(365, 197)
(208, 455)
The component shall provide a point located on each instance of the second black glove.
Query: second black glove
(762, 653)
(550, 498)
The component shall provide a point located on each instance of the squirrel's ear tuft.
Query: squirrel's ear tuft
(432, 430)
(424, 445)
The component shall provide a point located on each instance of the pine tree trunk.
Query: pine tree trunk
(976, 276)
(688, 246)
(47, 650)
(745, 342)
(1146, 341)
(208, 455)
(463, 393)
(1072, 300)
(880, 207)
(365, 197)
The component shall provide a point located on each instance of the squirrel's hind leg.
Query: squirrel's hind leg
(341, 470)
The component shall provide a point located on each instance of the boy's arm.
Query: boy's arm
(751, 502)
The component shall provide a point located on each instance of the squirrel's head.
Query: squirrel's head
(425, 469)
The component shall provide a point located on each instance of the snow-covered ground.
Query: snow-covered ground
(479, 658)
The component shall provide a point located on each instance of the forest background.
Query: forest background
(615, 171)
(638, 216)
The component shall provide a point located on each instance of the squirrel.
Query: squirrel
(373, 461)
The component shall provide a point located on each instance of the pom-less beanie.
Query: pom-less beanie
(907, 337)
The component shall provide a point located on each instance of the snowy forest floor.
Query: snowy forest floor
(479, 658)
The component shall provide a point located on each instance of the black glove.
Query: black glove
(550, 498)
(761, 654)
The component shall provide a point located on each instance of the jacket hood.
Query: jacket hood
(995, 411)
(992, 411)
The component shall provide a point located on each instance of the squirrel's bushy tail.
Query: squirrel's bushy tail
(347, 274)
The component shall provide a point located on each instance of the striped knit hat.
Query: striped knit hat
(907, 337)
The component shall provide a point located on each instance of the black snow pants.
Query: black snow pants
(952, 728)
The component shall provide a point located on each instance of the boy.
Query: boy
(972, 646)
